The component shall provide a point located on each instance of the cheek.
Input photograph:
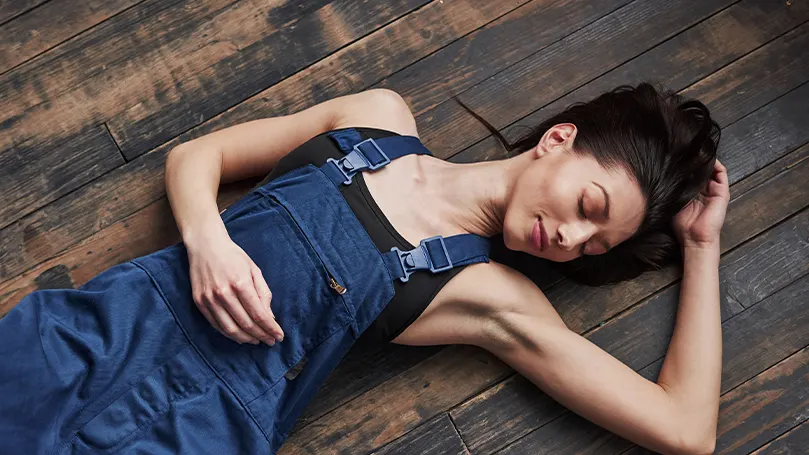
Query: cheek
(557, 197)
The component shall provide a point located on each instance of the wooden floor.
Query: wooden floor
(93, 94)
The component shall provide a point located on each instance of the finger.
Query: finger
(228, 326)
(206, 311)
(262, 313)
(243, 296)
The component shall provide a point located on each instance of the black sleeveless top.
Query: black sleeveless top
(413, 297)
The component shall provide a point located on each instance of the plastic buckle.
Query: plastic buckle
(356, 161)
(372, 166)
(419, 258)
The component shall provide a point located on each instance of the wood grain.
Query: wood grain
(10, 9)
(256, 59)
(162, 53)
(731, 91)
(392, 48)
(561, 67)
(436, 437)
(29, 177)
(36, 31)
(400, 404)
(140, 182)
(484, 53)
(766, 406)
(794, 442)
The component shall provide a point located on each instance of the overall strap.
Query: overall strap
(435, 254)
(369, 154)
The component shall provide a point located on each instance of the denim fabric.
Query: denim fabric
(127, 364)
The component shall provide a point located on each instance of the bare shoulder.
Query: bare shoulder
(489, 305)
(377, 108)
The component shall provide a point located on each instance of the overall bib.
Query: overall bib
(127, 364)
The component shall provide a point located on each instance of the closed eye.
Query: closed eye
(581, 207)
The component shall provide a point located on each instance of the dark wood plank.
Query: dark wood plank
(790, 112)
(364, 367)
(767, 405)
(484, 53)
(139, 127)
(10, 9)
(522, 408)
(731, 92)
(794, 442)
(401, 404)
(68, 220)
(497, 417)
(436, 437)
(775, 168)
(29, 177)
(91, 208)
(775, 321)
(553, 438)
(416, 35)
(779, 63)
(147, 56)
(566, 64)
(50, 24)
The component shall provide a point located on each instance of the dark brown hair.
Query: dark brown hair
(666, 143)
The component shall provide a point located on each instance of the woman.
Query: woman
(350, 236)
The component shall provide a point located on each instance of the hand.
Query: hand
(230, 291)
(699, 223)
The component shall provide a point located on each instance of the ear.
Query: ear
(558, 138)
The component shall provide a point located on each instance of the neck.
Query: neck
(471, 197)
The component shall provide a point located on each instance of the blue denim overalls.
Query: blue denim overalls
(127, 364)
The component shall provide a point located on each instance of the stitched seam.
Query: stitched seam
(204, 359)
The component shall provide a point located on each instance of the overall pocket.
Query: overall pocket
(182, 378)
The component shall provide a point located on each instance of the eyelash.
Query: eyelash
(581, 207)
(582, 214)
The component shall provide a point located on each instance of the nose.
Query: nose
(571, 236)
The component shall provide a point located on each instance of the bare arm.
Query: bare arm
(678, 414)
(228, 288)
(195, 169)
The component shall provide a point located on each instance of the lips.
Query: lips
(539, 236)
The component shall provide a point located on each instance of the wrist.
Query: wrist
(701, 251)
(202, 234)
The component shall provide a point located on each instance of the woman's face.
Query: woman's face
(564, 205)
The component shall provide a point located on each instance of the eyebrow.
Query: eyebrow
(606, 213)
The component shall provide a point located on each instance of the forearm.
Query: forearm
(192, 180)
(692, 370)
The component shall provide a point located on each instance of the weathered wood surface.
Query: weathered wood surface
(162, 67)
(91, 108)
(33, 33)
(793, 442)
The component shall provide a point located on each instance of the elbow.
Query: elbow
(176, 153)
(692, 445)
(693, 441)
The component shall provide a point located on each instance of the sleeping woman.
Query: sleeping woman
(216, 344)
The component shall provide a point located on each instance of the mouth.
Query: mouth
(539, 236)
